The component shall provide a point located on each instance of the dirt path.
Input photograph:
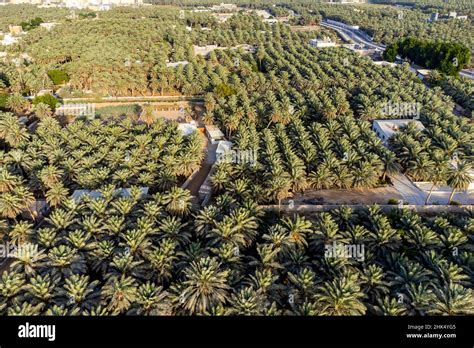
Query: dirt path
(379, 195)
(206, 166)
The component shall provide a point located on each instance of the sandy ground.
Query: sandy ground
(440, 194)
(379, 195)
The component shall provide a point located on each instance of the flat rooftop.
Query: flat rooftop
(390, 127)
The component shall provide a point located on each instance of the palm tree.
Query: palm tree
(152, 300)
(120, 293)
(56, 194)
(79, 291)
(27, 258)
(390, 163)
(280, 187)
(148, 114)
(342, 296)
(388, 307)
(297, 228)
(11, 284)
(8, 182)
(204, 287)
(51, 175)
(11, 130)
(17, 103)
(178, 201)
(453, 299)
(439, 172)
(42, 111)
(42, 287)
(459, 177)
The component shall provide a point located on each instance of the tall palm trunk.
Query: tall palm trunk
(451, 196)
(429, 194)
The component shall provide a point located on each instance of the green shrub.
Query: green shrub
(58, 76)
(47, 99)
(3, 100)
(392, 201)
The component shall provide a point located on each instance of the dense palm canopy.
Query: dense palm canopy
(304, 114)
(142, 267)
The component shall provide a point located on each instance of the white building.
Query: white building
(48, 26)
(214, 134)
(321, 43)
(15, 29)
(223, 149)
(385, 129)
(224, 7)
(423, 73)
(204, 50)
(176, 64)
(384, 63)
(8, 40)
(187, 128)
(453, 14)
(263, 13)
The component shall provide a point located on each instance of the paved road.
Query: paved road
(362, 38)
(410, 193)
(206, 166)
(356, 36)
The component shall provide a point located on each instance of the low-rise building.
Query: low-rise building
(15, 29)
(214, 134)
(385, 129)
(423, 73)
(48, 26)
(384, 63)
(205, 50)
(8, 40)
(187, 128)
(321, 43)
(224, 7)
(263, 13)
(176, 64)
(223, 149)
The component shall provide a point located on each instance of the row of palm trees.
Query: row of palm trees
(158, 255)
(423, 159)
(342, 153)
(54, 161)
(339, 85)
(461, 90)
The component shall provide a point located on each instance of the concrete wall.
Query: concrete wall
(302, 209)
